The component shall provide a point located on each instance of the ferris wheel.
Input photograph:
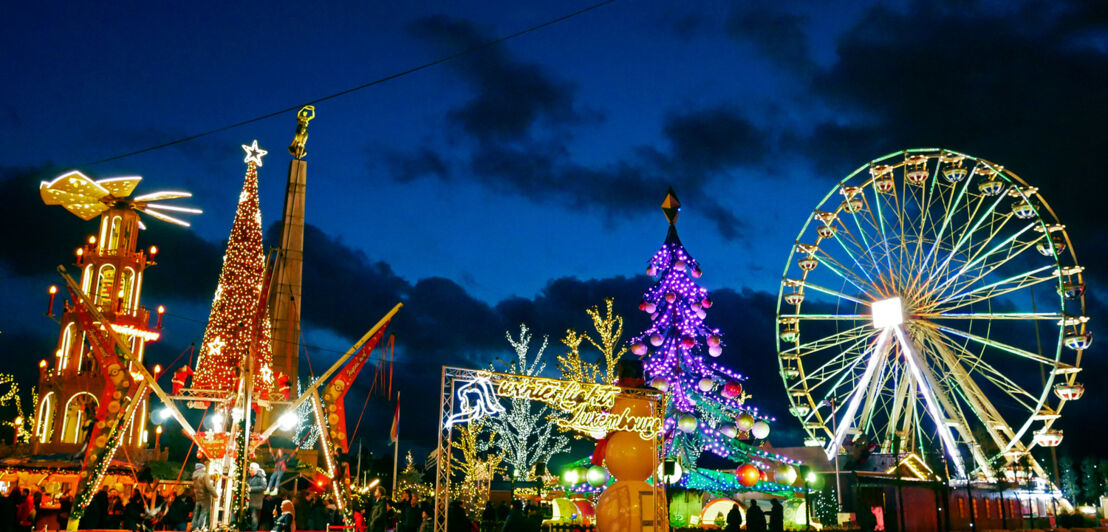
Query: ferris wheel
(933, 304)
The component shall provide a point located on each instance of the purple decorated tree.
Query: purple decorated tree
(707, 410)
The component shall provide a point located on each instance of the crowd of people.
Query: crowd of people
(756, 518)
(21, 508)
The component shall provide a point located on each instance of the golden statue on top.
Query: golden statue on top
(305, 115)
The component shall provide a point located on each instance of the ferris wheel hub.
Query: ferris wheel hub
(887, 313)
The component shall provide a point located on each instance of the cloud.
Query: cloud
(519, 125)
(1010, 86)
(778, 36)
(510, 95)
(714, 139)
(422, 162)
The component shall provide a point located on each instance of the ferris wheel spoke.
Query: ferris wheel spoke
(866, 241)
(992, 290)
(986, 269)
(965, 236)
(997, 428)
(947, 210)
(954, 352)
(1013, 252)
(827, 342)
(1049, 316)
(936, 404)
(830, 317)
(995, 230)
(949, 213)
(861, 250)
(877, 383)
(900, 399)
(836, 369)
(835, 293)
(993, 343)
(872, 360)
(835, 266)
(878, 200)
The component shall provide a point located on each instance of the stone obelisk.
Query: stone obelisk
(288, 269)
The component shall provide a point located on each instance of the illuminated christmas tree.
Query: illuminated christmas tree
(707, 408)
(237, 327)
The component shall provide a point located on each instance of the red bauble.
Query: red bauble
(748, 475)
(706, 303)
(671, 297)
(687, 342)
(732, 389)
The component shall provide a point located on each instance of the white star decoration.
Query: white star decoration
(254, 154)
(215, 346)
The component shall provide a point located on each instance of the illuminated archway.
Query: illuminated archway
(103, 288)
(63, 349)
(44, 421)
(77, 411)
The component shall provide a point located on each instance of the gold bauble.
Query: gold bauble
(629, 457)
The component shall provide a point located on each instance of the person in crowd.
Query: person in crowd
(24, 511)
(318, 514)
(286, 522)
(776, 516)
(133, 511)
(189, 504)
(257, 485)
(379, 512)
(488, 515)
(203, 492)
(176, 515)
(114, 517)
(270, 511)
(302, 505)
(735, 517)
(65, 506)
(755, 518)
(457, 520)
(280, 466)
(502, 511)
(428, 522)
(8, 505)
(516, 521)
(410, 517)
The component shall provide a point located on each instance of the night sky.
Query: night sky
(521, 182)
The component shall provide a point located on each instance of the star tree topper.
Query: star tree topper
(254, 154)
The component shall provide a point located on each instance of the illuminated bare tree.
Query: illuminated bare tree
(526, 434)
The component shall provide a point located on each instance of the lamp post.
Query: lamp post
(158, 439)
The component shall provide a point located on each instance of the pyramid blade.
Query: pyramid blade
(164, 195)
(77, 183)
(166, 217)
(120, 187)
(174, 208)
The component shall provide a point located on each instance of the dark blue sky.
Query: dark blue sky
(522, 181)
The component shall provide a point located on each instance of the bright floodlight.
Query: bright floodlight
(887, 313)
(216, 422)
(287, 421)
(164, 414)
